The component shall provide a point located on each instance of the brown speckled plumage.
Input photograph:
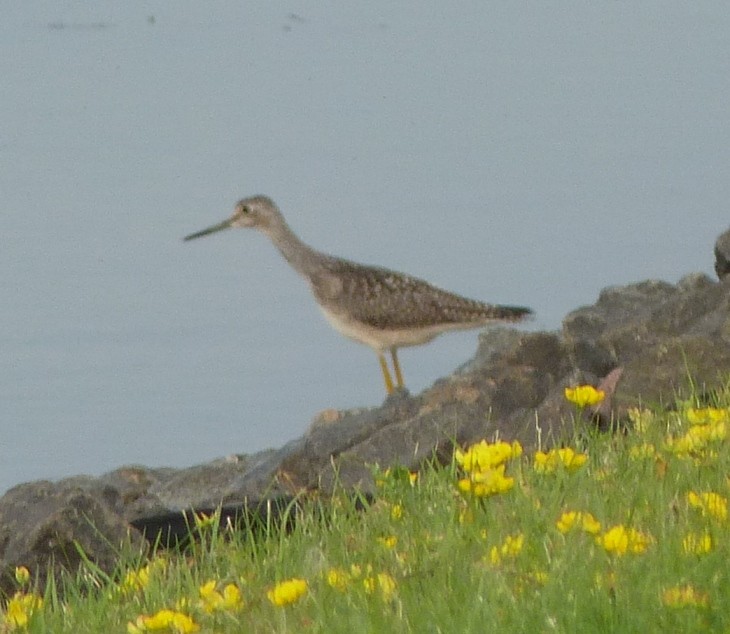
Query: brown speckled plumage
(381, 308)
(384, 299)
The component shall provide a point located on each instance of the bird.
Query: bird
(375, 306)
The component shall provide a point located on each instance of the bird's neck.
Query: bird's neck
(300, 256)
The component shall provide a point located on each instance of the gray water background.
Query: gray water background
(521, 152)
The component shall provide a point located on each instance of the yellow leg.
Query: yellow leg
(386, 374)
(396, 368)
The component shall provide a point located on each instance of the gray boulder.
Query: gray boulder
(46, 526)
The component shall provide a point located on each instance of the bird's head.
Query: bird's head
(258, 212)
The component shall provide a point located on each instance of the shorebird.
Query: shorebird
(375, 306)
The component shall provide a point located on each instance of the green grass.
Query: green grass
(432, 548)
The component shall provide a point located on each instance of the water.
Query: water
(512, 152)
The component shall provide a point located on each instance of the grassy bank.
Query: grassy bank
(614, 533)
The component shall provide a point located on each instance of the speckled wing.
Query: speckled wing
(384, 299)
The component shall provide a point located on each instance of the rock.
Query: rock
(658, 333)
(722, 255)
(643, 343)
(43, 523)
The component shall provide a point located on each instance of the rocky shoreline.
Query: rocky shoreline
(642, 342)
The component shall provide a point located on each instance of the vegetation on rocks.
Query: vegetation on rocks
(623, 531)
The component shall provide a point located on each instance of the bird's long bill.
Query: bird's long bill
(205, 232)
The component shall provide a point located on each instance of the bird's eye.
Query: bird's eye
(245, 209)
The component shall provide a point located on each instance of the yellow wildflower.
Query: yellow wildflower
(232, 597)
(388, 542)
(396, 512)
(204, 521)
(22, 575)
(163, 620)
(620, 540)
(484, 455)
(538, 576)
(578, 519)
(642, 452)
(212, 601)
(681, 446)
(20, 609)
(713, 432)
(136, 580)
(484, 483)
(509, 549)
(338, 579)
(708, 425)
(711, 504)
(382, 581)
(287, 592)
(706, 416)
(564, 457)
(697, 544)
(395, 475)
(685, 596)
(641, 419)
(584, 395)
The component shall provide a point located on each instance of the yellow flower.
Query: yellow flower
(697, 544)
(204, 521)
(396, 512)
(708, 426)
(538, 576)
(20, 609)
(642, 452)
(395, 475)
(338, 579)
(484, 456)
(620, 540)
(382, 581)
(287, 592)
(706, 416)
(685, 596)
(564, 457)
(714, 432)
(212, 601)
(641, 419)
(578, 519)
(509, 549)
(164, 620)
(712, 504)
(584, 395)
(136, 580)
(22, 575)
(680, 446)
(388, 542)
(484, 483)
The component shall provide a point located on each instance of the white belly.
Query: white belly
(381, 340)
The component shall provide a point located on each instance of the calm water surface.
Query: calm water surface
(512, 152)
